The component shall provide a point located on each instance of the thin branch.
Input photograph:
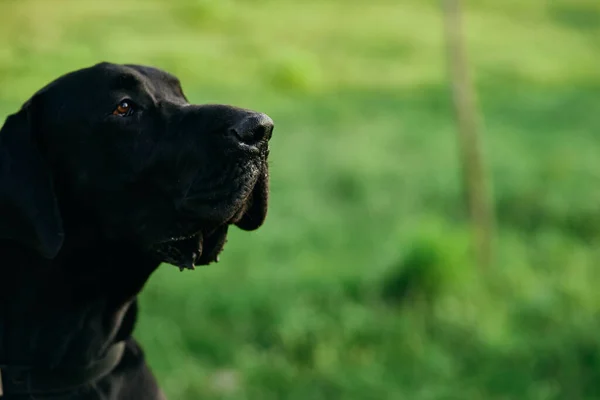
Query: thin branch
(479, 200)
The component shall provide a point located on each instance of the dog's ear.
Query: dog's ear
(29, 211)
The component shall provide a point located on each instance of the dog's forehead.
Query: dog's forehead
(133, 76)
(153, 74)
(104, 77)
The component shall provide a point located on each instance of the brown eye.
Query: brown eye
(124, 109)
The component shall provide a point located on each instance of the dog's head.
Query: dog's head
(120, 148)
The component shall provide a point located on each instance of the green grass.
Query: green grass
(360, 286)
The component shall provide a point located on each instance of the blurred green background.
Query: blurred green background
(360, 285)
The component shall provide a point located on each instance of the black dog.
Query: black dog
(104, 174)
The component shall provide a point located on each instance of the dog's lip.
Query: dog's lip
(213, 245)
(253, 213)
(203, 246)
(199, 249)
(237, 216)
(178, 238)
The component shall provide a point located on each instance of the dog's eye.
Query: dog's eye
(124, 109)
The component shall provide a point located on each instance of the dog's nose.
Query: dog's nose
(253, 129)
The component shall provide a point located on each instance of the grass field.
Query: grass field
(359, 286)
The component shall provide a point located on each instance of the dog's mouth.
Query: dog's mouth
(203, 247)
(197, 249)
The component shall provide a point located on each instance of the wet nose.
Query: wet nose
(253, 129)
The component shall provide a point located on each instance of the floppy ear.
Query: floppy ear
(28, 207)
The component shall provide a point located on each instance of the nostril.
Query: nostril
(253, 129)
(259, 133)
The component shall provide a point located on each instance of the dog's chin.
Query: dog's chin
(204, 247)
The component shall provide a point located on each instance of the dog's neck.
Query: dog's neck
(70, 309)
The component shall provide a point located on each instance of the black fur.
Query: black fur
(92, 200)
